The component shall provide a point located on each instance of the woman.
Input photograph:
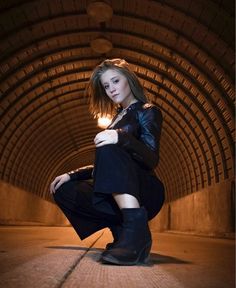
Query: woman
(125, 193)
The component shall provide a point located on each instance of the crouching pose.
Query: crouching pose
(120, 191)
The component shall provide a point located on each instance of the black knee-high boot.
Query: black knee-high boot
(116, 232)
(135, 240)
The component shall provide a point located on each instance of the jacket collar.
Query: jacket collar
(131, 107)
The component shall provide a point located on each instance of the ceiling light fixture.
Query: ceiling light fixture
(101, 45)
(100, 11)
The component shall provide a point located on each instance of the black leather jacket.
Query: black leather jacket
(139, 134)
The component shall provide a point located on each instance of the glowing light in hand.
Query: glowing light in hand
(103, 122)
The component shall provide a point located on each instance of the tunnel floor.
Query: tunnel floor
(56, 257)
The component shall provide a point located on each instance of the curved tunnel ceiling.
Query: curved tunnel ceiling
(183, 53)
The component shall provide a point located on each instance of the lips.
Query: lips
(114, 96)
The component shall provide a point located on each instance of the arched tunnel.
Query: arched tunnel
(183, 54)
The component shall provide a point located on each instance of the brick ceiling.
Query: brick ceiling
(183, 53)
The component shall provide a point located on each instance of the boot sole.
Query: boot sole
(143, 258)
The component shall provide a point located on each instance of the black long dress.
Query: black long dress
(125, 167)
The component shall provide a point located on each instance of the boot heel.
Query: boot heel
(144, 255)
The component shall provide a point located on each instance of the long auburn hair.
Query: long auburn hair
(99, 103)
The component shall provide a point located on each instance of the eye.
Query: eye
(106, 87)
(116, 81)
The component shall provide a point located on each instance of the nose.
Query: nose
(112, 89)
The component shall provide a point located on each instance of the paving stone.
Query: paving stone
(91, 273)
(55, 257)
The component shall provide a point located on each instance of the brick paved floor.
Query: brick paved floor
(36, 257)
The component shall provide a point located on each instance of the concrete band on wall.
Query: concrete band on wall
(19, 207)
(210, 211)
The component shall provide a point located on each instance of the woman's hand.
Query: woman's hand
(106, 137)
(58, 181)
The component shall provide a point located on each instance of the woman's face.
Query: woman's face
(117, 87)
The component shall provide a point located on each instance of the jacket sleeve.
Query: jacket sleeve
(145, 149)
(83, 173)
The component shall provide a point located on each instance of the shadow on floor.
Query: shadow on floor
(164, 259)
(154, 257)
